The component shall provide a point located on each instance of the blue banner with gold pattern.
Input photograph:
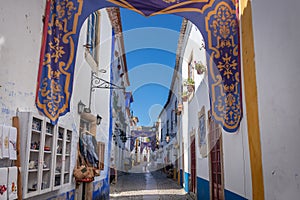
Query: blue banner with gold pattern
(56, 70)
(216, 19)
(222, 46)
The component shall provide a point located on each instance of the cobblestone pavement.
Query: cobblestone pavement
(146, 185)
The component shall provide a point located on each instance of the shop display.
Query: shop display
(47, 162)
(3, 183)
(12, 182)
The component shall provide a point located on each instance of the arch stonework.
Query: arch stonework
(216, 19)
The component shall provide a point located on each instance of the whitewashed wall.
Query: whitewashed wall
(100, 97)
(119, 153)
(201, 99)
(276, 42)
(20, 41)
(237, 175)
(185, 56)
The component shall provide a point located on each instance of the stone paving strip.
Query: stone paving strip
(153, 185)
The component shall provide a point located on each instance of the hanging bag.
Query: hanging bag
(82, 172)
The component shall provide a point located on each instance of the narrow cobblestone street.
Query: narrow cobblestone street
(147, 185)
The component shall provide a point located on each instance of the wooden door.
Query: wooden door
(193, 165)
(216, 161)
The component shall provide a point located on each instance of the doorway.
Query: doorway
(193, 165)
(216, 171)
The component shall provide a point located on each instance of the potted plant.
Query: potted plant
(177, 111)
(200, 67)
(185, 96)
(190, 84)
(179, 107)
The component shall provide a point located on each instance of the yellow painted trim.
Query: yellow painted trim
(251, 100)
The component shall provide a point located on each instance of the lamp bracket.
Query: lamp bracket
(98, 82)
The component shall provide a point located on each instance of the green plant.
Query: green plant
(200, 67)
(189, 81)
(184, 94)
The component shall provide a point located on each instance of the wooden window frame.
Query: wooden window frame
(93, 40)
(101, 154)
(191, 68)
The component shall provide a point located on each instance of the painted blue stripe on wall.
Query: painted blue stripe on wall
(186, 181)
(232, 196)
(202, 189)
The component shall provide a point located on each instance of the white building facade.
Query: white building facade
(19, 57)
(201, 142)
(259, 160)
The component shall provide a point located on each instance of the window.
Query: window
(172, 120)
(175, 112)
(92, 33)
(93, 40)
(101, 148)
(84, 125)
(191, 69)
(167, 127)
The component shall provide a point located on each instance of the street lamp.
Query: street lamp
(81, 107)
(99, 119)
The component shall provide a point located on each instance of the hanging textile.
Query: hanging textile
(216, 19)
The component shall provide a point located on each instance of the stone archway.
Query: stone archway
(216, 19)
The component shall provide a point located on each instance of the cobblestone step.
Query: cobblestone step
(150, 185)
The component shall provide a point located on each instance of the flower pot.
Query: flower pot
(184, 98)
(180, 107)
(200, 71)
(191, 88)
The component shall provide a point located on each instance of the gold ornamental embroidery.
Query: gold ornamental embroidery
(169, 1)
(221, 26)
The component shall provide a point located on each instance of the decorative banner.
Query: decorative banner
(58, 54)
(216, 20)
(149, 141)
(132, 143)
(222, 46)
(128, 99)
(141, 133)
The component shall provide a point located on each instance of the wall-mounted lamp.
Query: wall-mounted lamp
(99, 119)
(81, 107)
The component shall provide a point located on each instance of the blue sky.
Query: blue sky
(150, 45)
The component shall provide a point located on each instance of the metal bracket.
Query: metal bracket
(97, 82)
